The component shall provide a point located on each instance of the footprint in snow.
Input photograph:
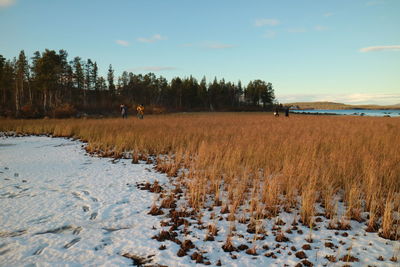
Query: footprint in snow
(73, 242)
(77, 195)
(85, 208)
(5, 251)
(12, 195)
(105, 242)
(56, 230)
(93, 215)
(40, 250)
(112, 229)
(77, 230)
(98, 247)
(13, 234)
(123, 201)
(40, 220)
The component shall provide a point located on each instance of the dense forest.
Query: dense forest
(50, 85)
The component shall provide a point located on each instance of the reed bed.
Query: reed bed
(256, 165)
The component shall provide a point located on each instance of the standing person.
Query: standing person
(125, 112)
(287, 112)
(140, 111)
(122, 109)
(276, 113)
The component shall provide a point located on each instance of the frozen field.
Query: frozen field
(60, 206)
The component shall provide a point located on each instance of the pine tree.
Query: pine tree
(102, 84)
(203, 92)
(267, 94)
(94, 76)
(79, 78)
(66, 78)
(21, 74)
(124, 79)
(2, 78)
(110, 79)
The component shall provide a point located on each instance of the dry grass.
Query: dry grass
(256, 164)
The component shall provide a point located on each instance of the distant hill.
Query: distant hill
(334, 105)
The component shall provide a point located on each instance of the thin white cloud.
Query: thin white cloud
(122, 42)
(320, 28)
(266, 22)
(296, 30)
(7, 3)
(152, 39)
(269, 34)
(354, 99)
(153, 68)
(380, 48)
(328, 14)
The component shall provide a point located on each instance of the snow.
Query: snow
(61, 206)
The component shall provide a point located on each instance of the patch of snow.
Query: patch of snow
(51, 185)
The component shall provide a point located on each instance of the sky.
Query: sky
(310, 50)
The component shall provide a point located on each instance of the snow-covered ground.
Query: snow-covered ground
(52, 185)
(60, 206)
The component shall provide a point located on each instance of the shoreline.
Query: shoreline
(341, 112)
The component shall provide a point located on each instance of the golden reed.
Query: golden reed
(254, 158)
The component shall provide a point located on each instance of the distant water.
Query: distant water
(354, 112)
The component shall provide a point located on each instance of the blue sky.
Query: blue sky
(332, 50)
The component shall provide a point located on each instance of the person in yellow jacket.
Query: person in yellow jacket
(140, 111)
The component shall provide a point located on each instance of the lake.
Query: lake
(354, 112)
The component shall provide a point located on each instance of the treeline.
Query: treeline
(50, 85)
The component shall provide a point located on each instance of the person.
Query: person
(125, 115)
(140, 111)
(121, 108)
(276, 113)
(287, 112)
(124, 111)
